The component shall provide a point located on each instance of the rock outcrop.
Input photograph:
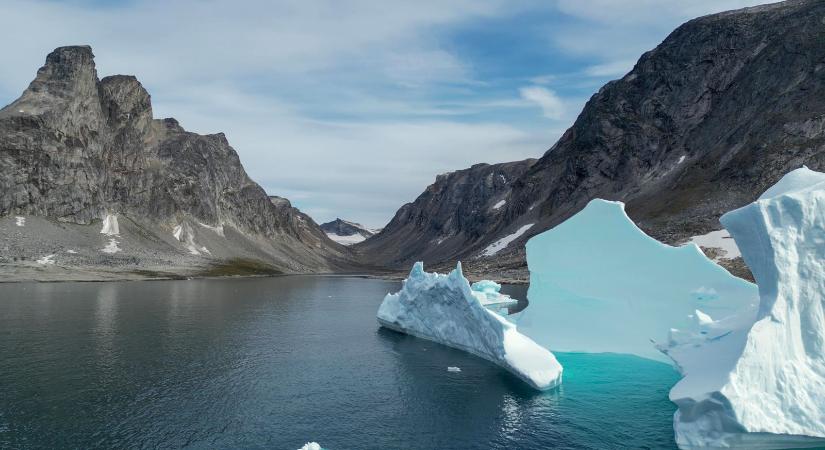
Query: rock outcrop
(703, 123)
(76, 149)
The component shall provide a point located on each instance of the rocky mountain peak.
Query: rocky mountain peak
(125, 100)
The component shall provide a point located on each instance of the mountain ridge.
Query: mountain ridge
(717, 112)
(78, 150)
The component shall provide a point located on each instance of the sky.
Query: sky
(350, 108)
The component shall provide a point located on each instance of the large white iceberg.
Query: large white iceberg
(600, 284)
(761, 384)
(444, 309)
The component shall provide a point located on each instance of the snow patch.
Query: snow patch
(346, 240)
(218, 229)
(110, 225)
(111, 247)
(20, 221)
(443, 309)
(46, 260)
(681, 159)
(718, 239)
(73, 252)
(499, 204)
(177, 232)
(453, 369)
(502, 243)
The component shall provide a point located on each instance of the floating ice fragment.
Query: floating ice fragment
(453, 369)
(311, 446)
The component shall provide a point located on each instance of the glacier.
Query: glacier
(760, 382)
(446, 310)
(598, 283)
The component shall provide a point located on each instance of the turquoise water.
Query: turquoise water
(276, 362)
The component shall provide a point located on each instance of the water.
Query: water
(276, 362)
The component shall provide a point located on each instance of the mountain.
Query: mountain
(707, 120)
(345, 232)
(84, 167)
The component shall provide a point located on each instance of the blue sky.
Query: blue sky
(351, 108)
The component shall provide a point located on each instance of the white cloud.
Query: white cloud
(616, 68)
(616, 33)
(551, 104)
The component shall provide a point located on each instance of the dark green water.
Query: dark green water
(276, 362)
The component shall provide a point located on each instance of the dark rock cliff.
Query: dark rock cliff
(704, 123)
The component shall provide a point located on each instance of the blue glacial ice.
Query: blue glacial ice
(446, 310)
(600, 284)
(760, 382)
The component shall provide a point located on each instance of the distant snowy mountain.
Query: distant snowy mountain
(347, 233)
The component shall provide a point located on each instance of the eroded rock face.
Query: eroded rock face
(704, 123)
(76, 148)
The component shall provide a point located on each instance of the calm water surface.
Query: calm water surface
(276, 362)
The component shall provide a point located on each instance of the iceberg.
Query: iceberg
(489, 294)
(444, 309)
(760, 382)
(600, 284)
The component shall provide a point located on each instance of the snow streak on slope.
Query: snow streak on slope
(346, 240)
(502, 243)
(599, 284)
(443, 309)
(761, 384)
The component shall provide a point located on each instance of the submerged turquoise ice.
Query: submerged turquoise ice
(600, 284)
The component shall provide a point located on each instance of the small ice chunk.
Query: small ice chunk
(453, 369)
(20, 221)
(311, 446)
(502, 243)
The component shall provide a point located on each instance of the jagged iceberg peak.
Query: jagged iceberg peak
(600, 284)
(444, 309)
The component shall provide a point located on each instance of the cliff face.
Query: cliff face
(76, 149)
(703, 123)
